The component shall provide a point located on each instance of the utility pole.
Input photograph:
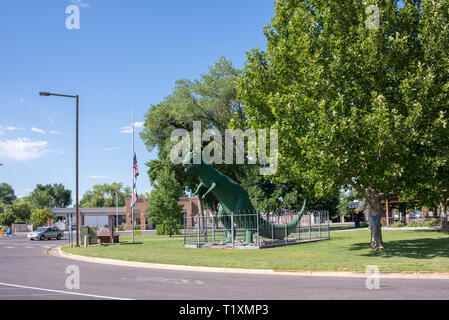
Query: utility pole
(78, 216)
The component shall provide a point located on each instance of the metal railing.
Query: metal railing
(255, 230)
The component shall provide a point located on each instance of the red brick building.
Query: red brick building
(190, 207)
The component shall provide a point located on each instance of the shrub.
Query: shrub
(364, 224)
(430, 223)
(397, 224)
(162, 230)
(413, 224)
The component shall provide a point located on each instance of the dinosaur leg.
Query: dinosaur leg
(249, 237)
(226, 220)
(245, 218)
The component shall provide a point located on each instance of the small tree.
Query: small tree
(7, 218)
(163, 206)
(7, 195)
(40, 217)
(22, 208)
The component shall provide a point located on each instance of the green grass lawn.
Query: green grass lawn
(346, 251)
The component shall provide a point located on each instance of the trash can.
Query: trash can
(357, 224)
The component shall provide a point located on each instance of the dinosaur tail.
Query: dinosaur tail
(279, 231)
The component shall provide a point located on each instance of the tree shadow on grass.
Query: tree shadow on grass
(416, 248)
(129, 243)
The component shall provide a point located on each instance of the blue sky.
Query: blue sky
(126, 54)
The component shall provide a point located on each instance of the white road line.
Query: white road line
(60, 291)
(10, 247)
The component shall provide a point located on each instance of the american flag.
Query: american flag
(136, 170)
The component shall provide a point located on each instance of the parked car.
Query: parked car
(43, 233)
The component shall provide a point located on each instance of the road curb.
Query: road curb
(322, 274)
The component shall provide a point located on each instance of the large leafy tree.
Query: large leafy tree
(7, 194)
(269, 195)
(48, 196)
(429, 94)
(350, 102)
(103, 195)
(212, 100)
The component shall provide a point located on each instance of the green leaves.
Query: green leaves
(103, 195)
(50, 196)
(163, 205)
(40, 217)
(7, 195)
(353, 105)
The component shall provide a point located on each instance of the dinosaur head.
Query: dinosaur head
(188, 163)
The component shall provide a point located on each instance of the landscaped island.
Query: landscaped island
(416, 250)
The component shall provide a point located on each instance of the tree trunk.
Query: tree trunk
(375, 216)
(444, 223)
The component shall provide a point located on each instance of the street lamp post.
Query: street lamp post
(78, 218)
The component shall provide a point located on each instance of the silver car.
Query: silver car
(43, 233)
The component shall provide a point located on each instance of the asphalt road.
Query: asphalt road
(27, 271)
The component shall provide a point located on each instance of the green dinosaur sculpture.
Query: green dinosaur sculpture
(233, 199)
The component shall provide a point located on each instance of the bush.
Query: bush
(413, 224)
(162, 230)
(398, 224)
(364, 224)
(430, 223)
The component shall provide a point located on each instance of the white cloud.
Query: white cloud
(37, 130)
(10, 128)
(22, 149)
(80, 3)
(14, 128)
(108, 149)
(21, 100)
(129, 129)
(99, 177)
(55, 132)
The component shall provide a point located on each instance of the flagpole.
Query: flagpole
(132, 205)
(116, 211)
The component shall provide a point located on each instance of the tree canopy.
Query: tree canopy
(353, 105)
(7, 194)
(212, 100)
(48, 196)
(103, 195)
